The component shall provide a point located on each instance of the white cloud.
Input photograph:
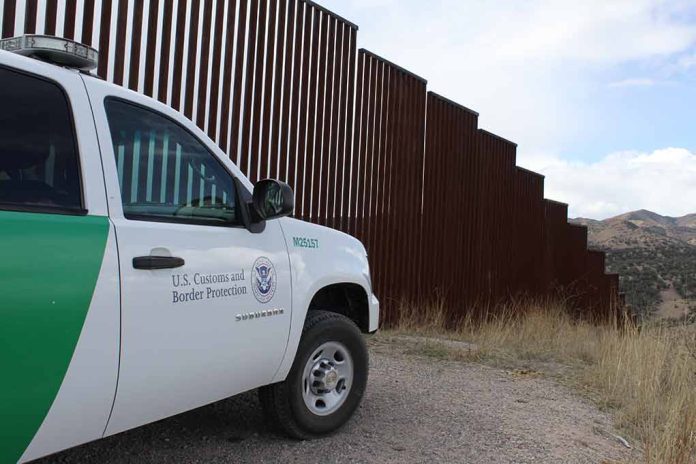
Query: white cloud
(686, 62)
(633, 82)
(537, 72)
(663, 181)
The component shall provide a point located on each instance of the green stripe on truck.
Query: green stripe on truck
(49, 265)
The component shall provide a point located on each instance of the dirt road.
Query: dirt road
(417, 409)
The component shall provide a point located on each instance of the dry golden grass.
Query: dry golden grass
(646, 375)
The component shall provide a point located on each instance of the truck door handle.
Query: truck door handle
(157, 262)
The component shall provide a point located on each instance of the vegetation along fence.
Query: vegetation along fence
(439, 203)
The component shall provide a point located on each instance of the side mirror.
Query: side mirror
(272, 199)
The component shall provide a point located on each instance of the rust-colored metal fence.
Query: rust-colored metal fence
(279, 85)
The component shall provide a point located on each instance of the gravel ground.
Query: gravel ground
(417, 409)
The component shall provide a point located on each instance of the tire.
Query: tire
(295, 405)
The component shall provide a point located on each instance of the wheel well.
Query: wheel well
(347, 299)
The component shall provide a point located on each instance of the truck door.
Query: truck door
(59, 311)
(205, 303)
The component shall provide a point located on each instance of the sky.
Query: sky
(599, 95)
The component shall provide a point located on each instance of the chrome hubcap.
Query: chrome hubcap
(327, 379)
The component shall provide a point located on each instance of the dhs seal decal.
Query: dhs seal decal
(263, 280)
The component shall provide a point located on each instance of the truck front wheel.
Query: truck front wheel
(326, 382)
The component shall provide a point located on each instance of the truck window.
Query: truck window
(164, 172)
(39, 168)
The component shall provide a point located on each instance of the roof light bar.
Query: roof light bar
(55, 50)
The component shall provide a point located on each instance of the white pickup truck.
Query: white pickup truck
(143, 275)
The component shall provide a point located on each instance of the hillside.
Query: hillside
(655, 256)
